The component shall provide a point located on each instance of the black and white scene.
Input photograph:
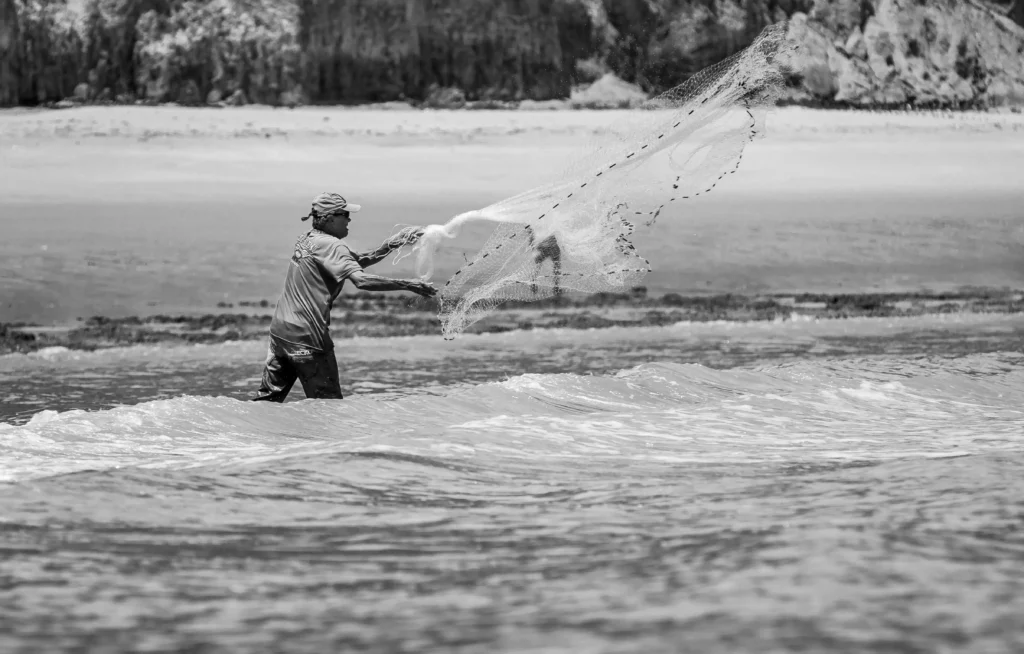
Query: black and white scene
(529, 326)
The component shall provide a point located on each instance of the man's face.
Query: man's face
(338, 224)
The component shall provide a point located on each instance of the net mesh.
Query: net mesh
(574, 234)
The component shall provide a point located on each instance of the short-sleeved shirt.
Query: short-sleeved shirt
(316, 274)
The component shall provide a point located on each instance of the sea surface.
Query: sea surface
(834, 486)
(63, 261)
(116, 227)
(817, 486)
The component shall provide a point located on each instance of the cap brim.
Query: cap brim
(352, 208)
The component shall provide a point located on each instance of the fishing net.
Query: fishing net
(574, 234)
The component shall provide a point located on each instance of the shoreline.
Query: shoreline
(553, 104)
(368, 315)
(406, 125)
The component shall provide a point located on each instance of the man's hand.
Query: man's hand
(423, 289)
(407, 236)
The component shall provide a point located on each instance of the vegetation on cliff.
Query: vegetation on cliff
(853, 52)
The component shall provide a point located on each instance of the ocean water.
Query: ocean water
(833, 486)
(114, 227)
(128, 259)
(852, 485)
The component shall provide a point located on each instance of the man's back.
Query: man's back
(300, 345)
(317, 272)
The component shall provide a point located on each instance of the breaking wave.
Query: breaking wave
(850, 410)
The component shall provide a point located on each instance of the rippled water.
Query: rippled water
(845, 486)
(837, 486)
(84, 260)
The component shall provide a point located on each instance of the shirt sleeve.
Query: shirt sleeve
(340, 262)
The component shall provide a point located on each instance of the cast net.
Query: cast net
(574, 234)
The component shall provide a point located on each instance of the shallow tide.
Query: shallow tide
(845, 485)
(849, 485)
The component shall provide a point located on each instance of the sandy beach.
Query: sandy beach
(139, 211)
(120, 154)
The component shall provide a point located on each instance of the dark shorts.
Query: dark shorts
(318, 372)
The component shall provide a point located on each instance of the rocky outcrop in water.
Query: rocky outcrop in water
(863, 53)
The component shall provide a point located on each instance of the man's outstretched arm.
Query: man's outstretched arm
(364, 281)
(407, 236)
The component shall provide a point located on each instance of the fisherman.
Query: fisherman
(543, 251)
(300, 340)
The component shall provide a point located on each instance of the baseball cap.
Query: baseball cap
(328, 204)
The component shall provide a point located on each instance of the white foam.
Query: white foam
(870, 409)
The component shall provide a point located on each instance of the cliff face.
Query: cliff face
(358, 50)
(897, 52)
(852, 52)
(173, 50)
(155, 50)
(9, 40)
(215, 49)
(40, 51)
(660, 43)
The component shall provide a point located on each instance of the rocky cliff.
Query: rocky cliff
(151, 50)
(9, 38)
(359, 50)
(40, 52)
(852, 52)
(946, 53)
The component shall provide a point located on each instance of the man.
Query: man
(300, 340)
(546, 249)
